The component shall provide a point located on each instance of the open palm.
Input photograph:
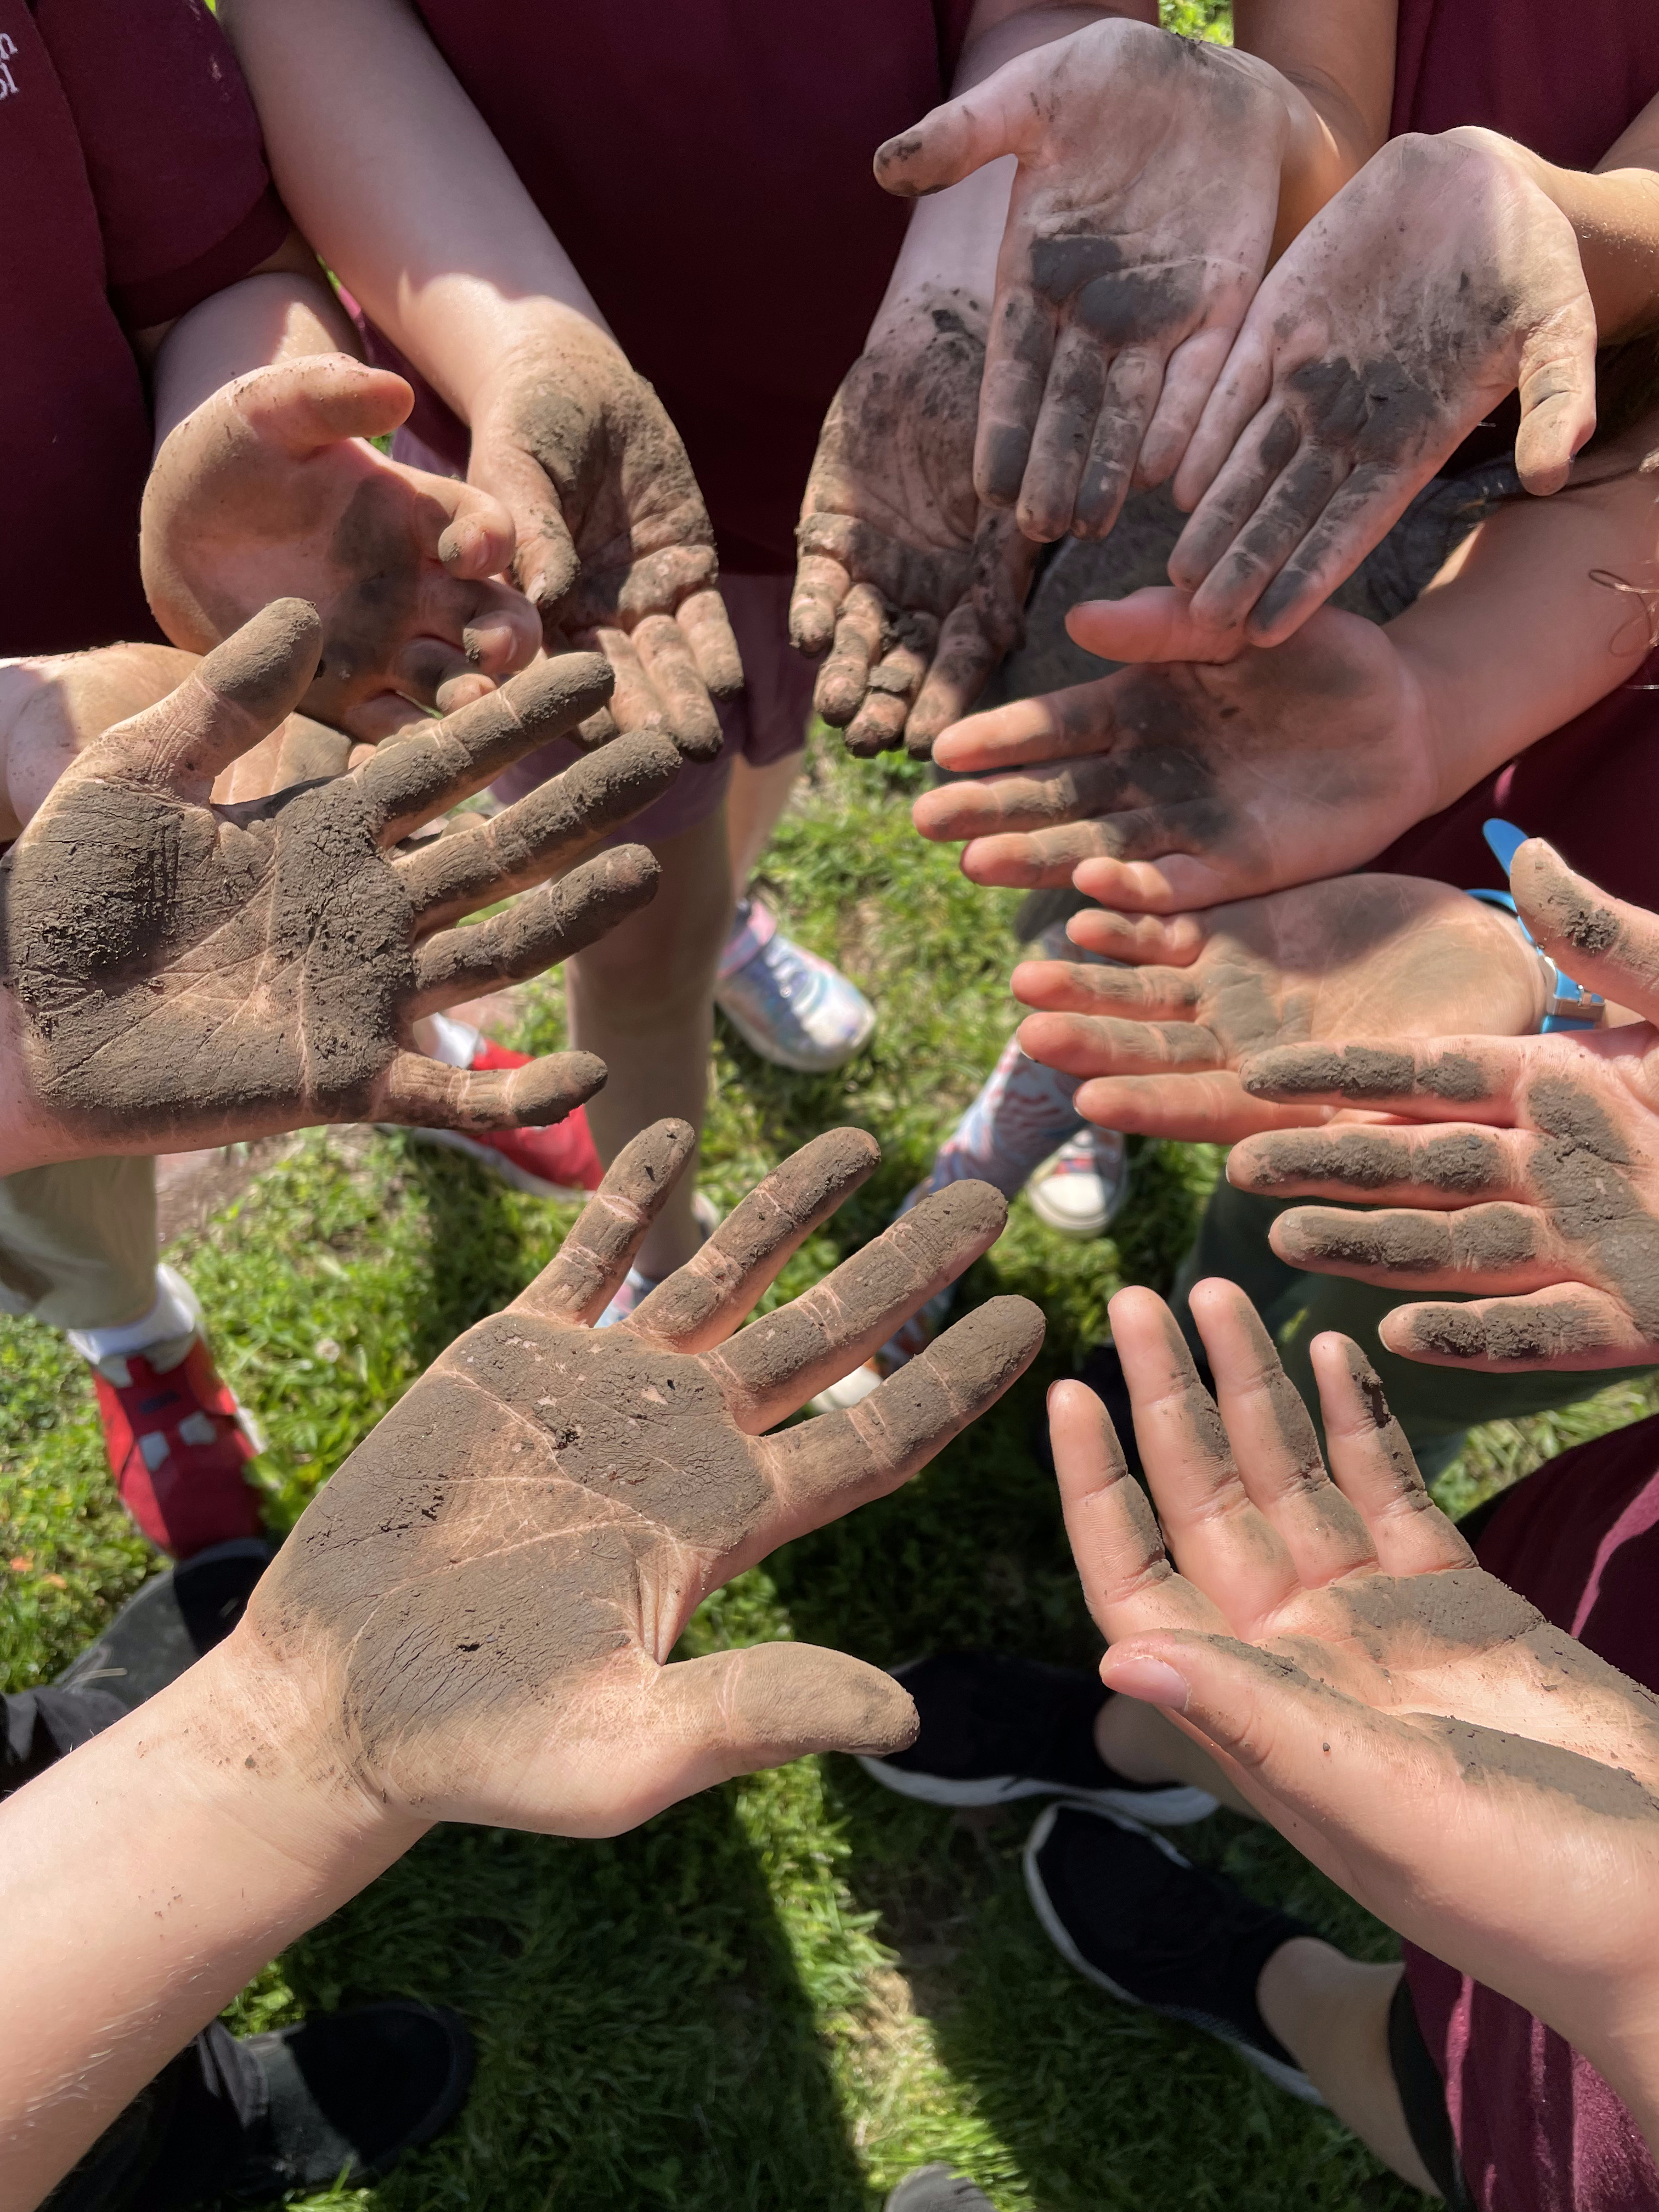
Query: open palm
(178, 972)
(1160, 1040)
(1179, 784)
(489, 1589)
(1537, 1193)
(1473, 1776)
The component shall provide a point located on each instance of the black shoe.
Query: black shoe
(936, 2189)
(349, 2094)
(994, 1728)
(170, 1622)
(1125, 1908)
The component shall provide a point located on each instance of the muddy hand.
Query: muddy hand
(1472, 1776)
(1142, 215)
(1160, 1040)
(270, 488)
(488, 1592)
(1541, 1201)
(615, 547)
(180, 973)
(1181, 784)
(911, 588)
(1438, 280)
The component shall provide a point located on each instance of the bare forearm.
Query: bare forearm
(450, 257)
(142, 1880)
(1542, 613)
(267, 318)
(1334, 61)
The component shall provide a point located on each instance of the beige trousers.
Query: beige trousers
(77, 1242)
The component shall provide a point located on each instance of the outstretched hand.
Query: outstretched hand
(1434, 283)
(911, 588)
(270, 488)
(1538, 1193)
(1472, 1775)
(615, 547)
(175, 972)
(1160, 1040)
(485, 1598)
(1142, 214)
(1180, 784)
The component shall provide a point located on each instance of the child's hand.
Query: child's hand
(615, 547)
(1474, 1777)
(482, 1604)
(1542, 1199)
(914, 589)
(1142, 214)
(1161, 1040)
(270, 490)
(1437, 281)
(1181, 784)
(175, 973)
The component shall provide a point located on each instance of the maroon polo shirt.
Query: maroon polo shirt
(133, 186)
(706, 164)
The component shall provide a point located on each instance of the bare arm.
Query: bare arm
(1614, 211)
(391, 170)
(280, 311)
(149, 1874)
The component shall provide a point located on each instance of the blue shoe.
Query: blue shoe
(786, 1003)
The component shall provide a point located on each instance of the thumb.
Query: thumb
(1302, 1753)
(1155, 623)
(1596, 939)
(951, 142)
(301, 406)
(1558, 395)
(738, 1712)
(546, 562)
(236, 696)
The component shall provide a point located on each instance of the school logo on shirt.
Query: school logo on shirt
(7, 82)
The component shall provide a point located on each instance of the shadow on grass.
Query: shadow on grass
(1096, 2107)
(643, 2039)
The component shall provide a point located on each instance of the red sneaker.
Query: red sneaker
(558, 1162)
(178, 1443)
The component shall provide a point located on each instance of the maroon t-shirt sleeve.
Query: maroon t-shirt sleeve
(172, 146)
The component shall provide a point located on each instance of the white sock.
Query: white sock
(453, 1042)
(174, 1313)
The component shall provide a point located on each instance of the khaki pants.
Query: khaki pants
(1435, 1405)
(77, 1242)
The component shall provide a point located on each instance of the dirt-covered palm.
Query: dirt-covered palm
(1180, 784)
(1142, 215)
(270, 488)
(1161, 1039)
(911, 588)
(1471, 1774)
(615, 546)
(1540, 1201)
(176, 972)
(1436, 281)
(486, 1597)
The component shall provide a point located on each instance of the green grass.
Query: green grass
(788, 1991)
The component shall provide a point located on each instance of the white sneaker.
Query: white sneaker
(786, 1004)
(1080, 1189)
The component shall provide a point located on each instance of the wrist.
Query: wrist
(499, 337)
(536, 335)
